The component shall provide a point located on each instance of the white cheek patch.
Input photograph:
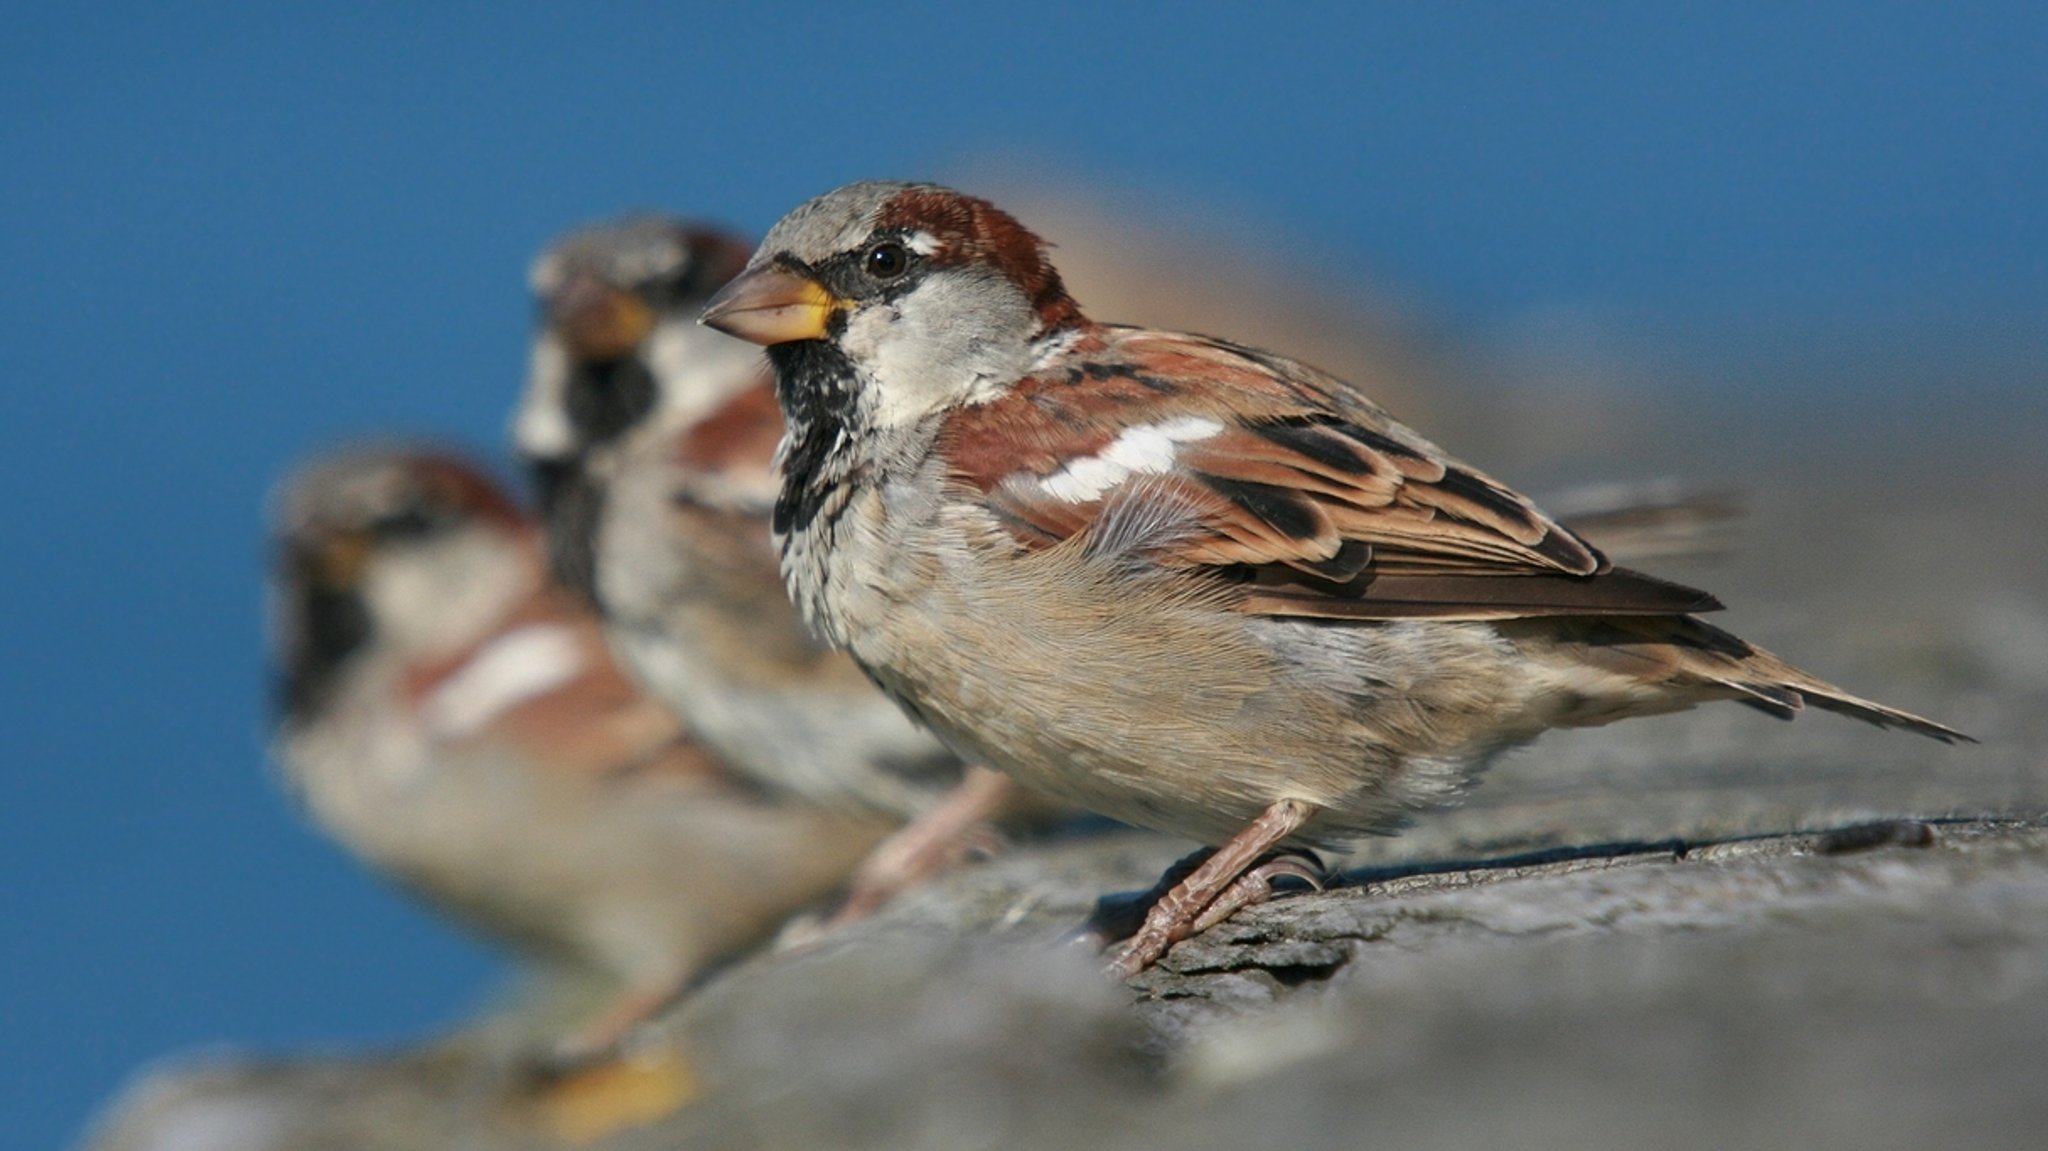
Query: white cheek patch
(541, 429)
(503, 674)
(1146, 450)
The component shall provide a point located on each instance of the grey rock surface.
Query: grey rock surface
(1698, 930)
(1882, 987)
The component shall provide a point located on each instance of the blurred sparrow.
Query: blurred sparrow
(1188, 584)
(456, 721)
(652, 440)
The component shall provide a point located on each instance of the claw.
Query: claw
(1256, 886)
(1134, 956)
(1231, 877)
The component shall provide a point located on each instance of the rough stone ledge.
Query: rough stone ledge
(1852, 986)
(1265, 953)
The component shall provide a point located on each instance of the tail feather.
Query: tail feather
(1842, 703)
(1774, 701)
(1701, 662)
(1765, 681)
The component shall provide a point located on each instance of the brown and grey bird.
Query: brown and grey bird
(652, 441)
(1189, 584)
(456, 720)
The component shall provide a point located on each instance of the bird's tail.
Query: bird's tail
(1701, 661)
(1768, 683)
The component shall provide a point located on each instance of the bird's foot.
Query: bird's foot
(1234, 876)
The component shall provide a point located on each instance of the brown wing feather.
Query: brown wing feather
(1309, 496)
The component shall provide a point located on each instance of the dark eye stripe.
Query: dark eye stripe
(408, 523)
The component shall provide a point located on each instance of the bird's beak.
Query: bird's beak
(771, 305)
(597, 322)
(337, 562)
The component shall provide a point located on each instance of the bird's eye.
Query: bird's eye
(886, 260)
(410, 522)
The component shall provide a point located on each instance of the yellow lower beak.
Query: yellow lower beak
(771, 305)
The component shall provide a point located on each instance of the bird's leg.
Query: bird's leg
(604, 1035)
(1119, 916)
(596, 1081)
(1174, 917)
(947, 833)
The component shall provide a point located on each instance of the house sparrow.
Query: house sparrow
(1188, 584)
(652, 441)
(457, 722)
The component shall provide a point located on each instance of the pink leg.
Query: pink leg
(602, 1037)
(1175, 916)
(927, 845)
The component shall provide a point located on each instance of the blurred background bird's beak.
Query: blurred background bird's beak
(598, 322)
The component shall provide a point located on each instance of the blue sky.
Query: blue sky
(234, 233)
